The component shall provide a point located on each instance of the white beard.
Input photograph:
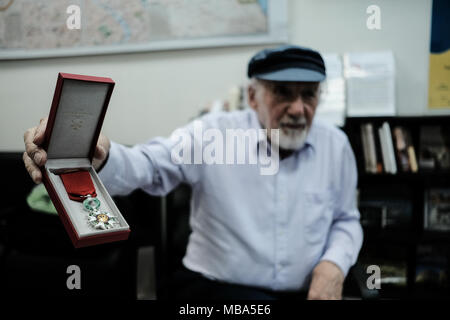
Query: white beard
(292, 139)
(289, 139)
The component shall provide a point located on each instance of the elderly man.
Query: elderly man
(293, 233)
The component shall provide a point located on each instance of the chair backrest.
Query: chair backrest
(178, 229)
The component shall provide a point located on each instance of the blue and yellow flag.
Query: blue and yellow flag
(439, 75)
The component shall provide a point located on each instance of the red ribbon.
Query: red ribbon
(78, 185)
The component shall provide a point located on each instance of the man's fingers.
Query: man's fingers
(40, 131)
(34, 152)
(28, 136)
(100, 152)
(34, 156)
(30, 147)
(32, 168)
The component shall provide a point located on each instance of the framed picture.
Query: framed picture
(54, 28)
(437, 210)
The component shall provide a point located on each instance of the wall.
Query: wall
(159, 91)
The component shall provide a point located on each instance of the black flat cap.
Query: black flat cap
(287, 63)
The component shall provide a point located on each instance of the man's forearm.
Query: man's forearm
(125, 169)
(327, 282)
(344, 242)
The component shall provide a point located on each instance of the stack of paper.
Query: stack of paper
(332, 98)
(370, 83)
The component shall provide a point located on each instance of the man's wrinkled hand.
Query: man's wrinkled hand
(35, 156)
(327, 282)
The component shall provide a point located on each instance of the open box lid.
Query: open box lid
(76, 116)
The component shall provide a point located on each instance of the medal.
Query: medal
(79, 187)
(98, 219)
(102, 220)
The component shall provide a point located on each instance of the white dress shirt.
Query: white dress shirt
(267, 231)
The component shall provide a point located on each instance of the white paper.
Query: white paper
(332, 99)
(370, 83)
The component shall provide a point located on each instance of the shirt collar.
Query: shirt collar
(311, 138)
(254, 123)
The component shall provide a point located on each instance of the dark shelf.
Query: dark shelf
(441, 237)
(398, 236)
(399, 120)
(429, 177)
(384, 190)
(406, 236)
(392, 291)
(426, 292)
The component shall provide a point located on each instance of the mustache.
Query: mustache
(293, 123)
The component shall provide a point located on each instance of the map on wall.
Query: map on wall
(39, 28)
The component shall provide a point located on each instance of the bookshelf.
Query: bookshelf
(414, 260)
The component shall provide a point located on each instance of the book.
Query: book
(434, 148)
(365, 145)
(401, 149)
(380, 166)
(386, 213)
(387, 148)
(384, 152)
(390, 147)
(437, 210)
(413, 159)
(370, 154)
(372, 151)
(404, 149)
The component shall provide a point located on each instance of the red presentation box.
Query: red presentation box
(74, 123)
